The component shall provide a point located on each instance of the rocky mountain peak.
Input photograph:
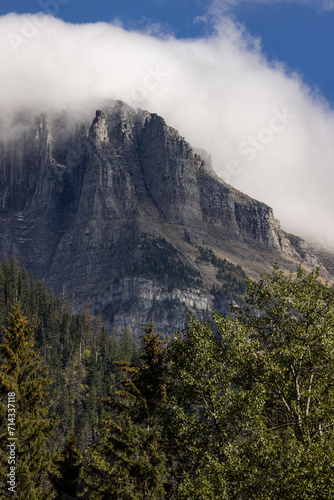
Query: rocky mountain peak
(120, 211)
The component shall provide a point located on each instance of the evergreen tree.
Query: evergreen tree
(127, 348)
(23, 374)
(77, 349)
(68, 465)
(129, 461)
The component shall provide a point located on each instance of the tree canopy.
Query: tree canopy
(23, 374)
(253, 395)
(240, 407)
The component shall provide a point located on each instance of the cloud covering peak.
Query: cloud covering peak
(268, 134)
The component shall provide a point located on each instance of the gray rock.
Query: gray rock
(79, 197)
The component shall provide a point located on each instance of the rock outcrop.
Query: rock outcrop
(116, 210)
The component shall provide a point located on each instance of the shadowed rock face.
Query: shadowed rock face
(115, 210)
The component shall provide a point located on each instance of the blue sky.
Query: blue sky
(299, 33)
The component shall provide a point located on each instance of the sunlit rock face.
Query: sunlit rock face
(117, 209)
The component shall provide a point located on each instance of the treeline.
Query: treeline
(159, 260)
(238, 408)
(78, 350)
(232, 277)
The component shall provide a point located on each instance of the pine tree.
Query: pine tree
(129, 461)
(23, 375)
(127, 351)
(77, 350)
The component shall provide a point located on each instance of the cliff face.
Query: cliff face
(120, 211)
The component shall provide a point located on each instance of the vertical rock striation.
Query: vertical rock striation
(116, 209)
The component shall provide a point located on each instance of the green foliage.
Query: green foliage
(292, 336)
(253, 397)
(65, 479)
(233, 278)
(22, 372)
(290, 324)
(239, 408)
(127, 350)
(159, 260)
(209, 414)
(128, 462)
(80, 353)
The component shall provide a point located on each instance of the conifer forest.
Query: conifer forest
(240, 407)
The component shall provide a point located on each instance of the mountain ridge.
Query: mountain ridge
(92, 203)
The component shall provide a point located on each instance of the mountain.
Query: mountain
(119, 211)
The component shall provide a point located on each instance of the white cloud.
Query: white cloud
(226, 6)
(328, 5)
(219, 92)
